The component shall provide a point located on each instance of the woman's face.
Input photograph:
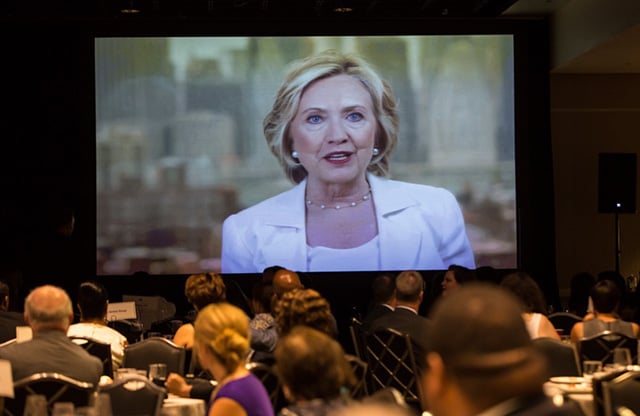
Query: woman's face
(334, 130)
(449, 282)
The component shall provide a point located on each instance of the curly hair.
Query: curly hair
(301, 75)
(308, 354)
(304, 307)
(205, 288)
(223, 329)
(527, 291)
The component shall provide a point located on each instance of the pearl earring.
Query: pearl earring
(294, 156)
(376, 151)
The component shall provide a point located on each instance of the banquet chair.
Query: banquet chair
(134, 395)
(360, 371)
(622, 393)
(357, 337)
(54, 386)
(564, 321)
(562, 358)
(97, 349)
(600, 347)
(390, 357)
(155, 350)
(266, 374)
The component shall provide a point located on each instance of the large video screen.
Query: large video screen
(187, 180)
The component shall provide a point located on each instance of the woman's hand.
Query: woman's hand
(177, 385)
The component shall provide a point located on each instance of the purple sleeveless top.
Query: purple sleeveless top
(248, 392)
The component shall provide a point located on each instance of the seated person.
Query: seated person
(305, 307)
(605, 296)
(314, 373)
(483, 360)
(92, 304)
(201, 290)
(535, 315)
(264, 333)
(383, 300)
(48, 311)
(8, 320)
(455, 277)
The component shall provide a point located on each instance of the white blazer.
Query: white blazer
(420, 227)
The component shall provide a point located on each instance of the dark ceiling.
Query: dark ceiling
(254, 8)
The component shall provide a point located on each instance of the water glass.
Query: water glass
(158, 373)
(621, 357)
(63, 409)
(36, 405)
(101, 404)
(590, 367)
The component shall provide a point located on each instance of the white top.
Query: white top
(104, 334)
(533, 325)
(326, 259)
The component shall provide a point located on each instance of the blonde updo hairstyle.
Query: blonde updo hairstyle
(224, 330)
(305, 72)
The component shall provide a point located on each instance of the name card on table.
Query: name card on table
(121, 310)
(6, 379)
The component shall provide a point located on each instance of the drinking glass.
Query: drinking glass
(621, 357)
(36, 405)
(63, 409)
(158, 373)
(101, 403)
(590, 367)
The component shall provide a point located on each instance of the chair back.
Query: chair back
(360, 371)
(391, 360)
(266, 374)
(621, 394)
(54, 386)
(564, 321)
(600, 347)
(357, 337)
(562, 358)
(97, 349)
(134, 395)
(155, 350)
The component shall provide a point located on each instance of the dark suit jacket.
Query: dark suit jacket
(52, 351)
(8, 323)
(405, 321)
(377, 312)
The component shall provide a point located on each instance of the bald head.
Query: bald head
(285, 281)
(48, 307)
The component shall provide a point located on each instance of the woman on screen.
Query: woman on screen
(333, 126)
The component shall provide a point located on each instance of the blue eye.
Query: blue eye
(314, 119)
(355, 116)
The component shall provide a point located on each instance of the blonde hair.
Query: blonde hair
(300, 76)
(224, 330)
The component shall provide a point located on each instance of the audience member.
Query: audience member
(48, 311)
(405, 317)
(455, 277)
(285, 281)
(383, 299)
(581, 284)
(483, 361)
(221, 341)
(201, 290)
(263, 328)
(304, 307)
(605, 295)
(314, 372)
(534, 307)
(268, 274)
(8, 320)
(93, 301)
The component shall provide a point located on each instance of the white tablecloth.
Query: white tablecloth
(180, 406)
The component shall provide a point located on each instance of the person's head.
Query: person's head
(48, 307)
(285, 280)
(268, 273)
(221, 336)
(204, 288)
(383, 289)
(316, 86)
(304, 307)
(261, 297)
(4, 296)
(605, 296)
(409, 287)
(482, 355)
(526, 290)
(580, 286)
(312, 365)
(456, 276)
(92, 301)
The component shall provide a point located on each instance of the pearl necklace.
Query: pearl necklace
(364, 198)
